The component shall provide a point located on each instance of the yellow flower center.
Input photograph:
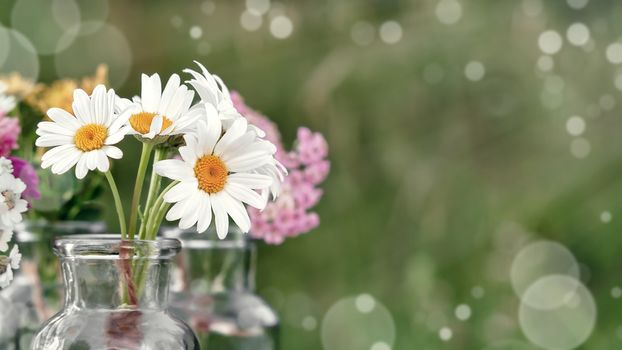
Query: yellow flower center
(90, 137)
(212, 173)
(141, 122)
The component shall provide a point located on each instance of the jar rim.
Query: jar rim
(40, 230)
(110, 246)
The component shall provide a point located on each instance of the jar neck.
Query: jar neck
(103, 272)
(104, 283)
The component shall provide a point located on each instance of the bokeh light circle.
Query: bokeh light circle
(105, 45)
(575, 125)
(550, 42)
(391, 32)
(20, 55)
(474, 71)
(564, 327)
(578, 34)
(281, 27)
(537, 260)
(350, 324)
(614, 53)
(448, 11)
(46, 22)
(580, 148)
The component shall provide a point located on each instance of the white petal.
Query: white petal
(248, 161)
(113, 152)
(252, 181)
(151, 93)
(65, 163)
(63, 118)
(98, 104)
(122, 119)
(235, 131)
(220, 216)
(246, 195)
(192, 214)
(81, 169)
(155, 128)
(174, 169)
(180, 191)
(50, 157)
(169, 92)
(51, 140)
(236, 210)
(237, 147)
(116, 137)
(205, 213)
(54, 128)
(91, 160)
(81, 106)
(187, 155)
(103, 164)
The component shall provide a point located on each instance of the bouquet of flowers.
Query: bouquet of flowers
(12, 205)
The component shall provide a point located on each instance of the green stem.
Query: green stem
(154, 187)
(118, 204)
(155, 212)
(138, 187)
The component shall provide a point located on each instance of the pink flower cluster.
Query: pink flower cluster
(9, 132)
(289, 215)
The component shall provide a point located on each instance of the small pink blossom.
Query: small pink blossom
(25, 172)
(9, 131)
(289, 215)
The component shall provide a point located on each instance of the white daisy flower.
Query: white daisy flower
(85, 140)
(6, 166)
(6, 233)
(7, 103)
(11, 204)
(7, 265)
(213, 91)
(217, 174)
(157, 112)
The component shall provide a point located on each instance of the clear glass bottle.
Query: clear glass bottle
(100, 311)
(213, 291)
(36, 291)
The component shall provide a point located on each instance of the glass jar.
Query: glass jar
(36, 291)
(213, 291)
(103, 308)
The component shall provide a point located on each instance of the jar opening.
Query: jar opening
(110, 246)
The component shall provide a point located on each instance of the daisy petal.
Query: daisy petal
(252, 181)
(244, 194)
(113, 152)
(205, 213)
(151, 92)
(220, 216)
(180, 192)
(63, 118)
(174, 169)
(236, 210)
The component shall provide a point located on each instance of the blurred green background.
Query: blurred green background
(459, 132)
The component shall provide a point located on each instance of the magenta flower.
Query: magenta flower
(9, 130)
(25, 172)
(289, 215)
